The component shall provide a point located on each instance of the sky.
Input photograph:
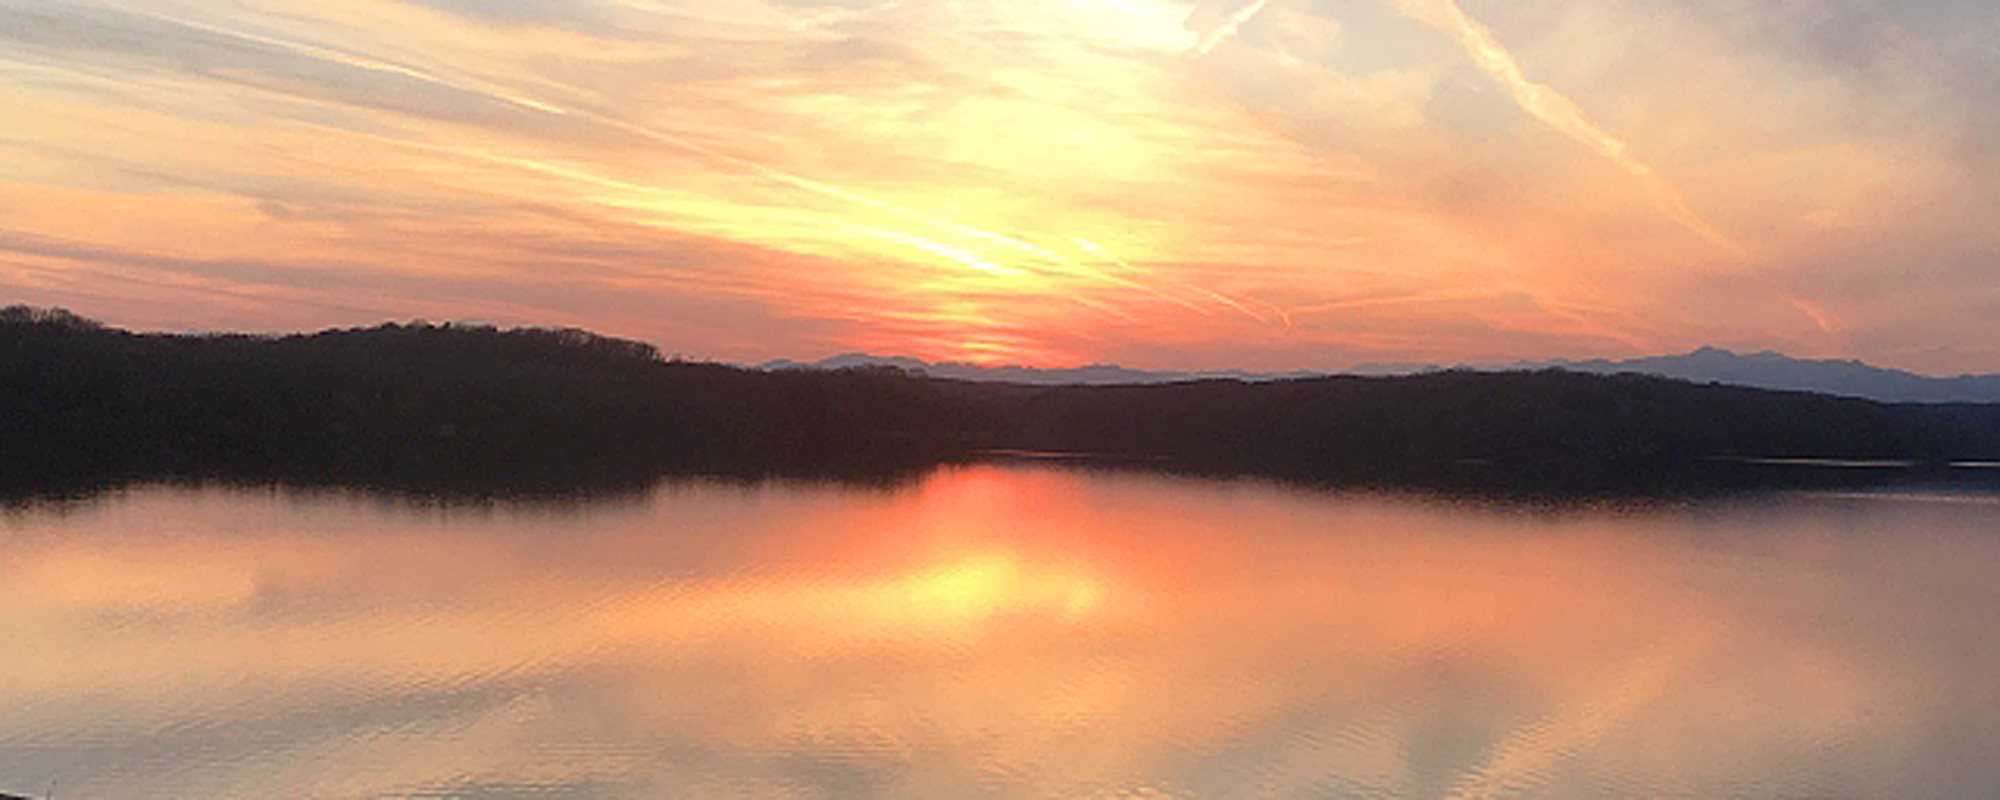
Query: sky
(1263, 184)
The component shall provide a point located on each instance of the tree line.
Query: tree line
(444, 405)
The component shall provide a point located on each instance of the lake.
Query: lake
(997, 630)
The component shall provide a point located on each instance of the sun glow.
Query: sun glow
(984, 586)
(1173, 183)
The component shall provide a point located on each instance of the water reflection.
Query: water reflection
(1017, 631)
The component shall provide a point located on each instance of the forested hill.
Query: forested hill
(420, 404)
(423, 403)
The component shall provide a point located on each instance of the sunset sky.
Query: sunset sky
(1268, 184)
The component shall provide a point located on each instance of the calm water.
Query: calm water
(997, 631)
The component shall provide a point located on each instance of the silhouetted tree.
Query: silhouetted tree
(418, 404)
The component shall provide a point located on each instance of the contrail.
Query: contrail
(1562, 114)
(1589, 326)
(1230, 26)
(352, 60)
(955, 254)
(1094, 249)
(1814, 312)
(1392, 300)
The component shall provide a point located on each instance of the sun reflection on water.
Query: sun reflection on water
(1005, 631)
(982, 586)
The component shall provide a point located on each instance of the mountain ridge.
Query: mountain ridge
(1764, 369)
(471, 409)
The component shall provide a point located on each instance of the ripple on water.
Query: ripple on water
(999, 630)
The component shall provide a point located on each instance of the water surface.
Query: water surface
(1012, 630)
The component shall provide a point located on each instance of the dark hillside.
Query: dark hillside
(422, 404)
(1551, 427)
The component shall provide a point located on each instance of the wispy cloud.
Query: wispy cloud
(1230, 26)
(1565, 117)
(1179, 182)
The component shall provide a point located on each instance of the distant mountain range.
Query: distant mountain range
(1769, 370)
(1763, 370)
(1087, 375)
(476, 410)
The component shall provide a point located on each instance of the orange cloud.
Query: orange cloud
(1024, 181)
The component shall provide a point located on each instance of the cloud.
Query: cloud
(63, 32)
(635, 284)
(924, 172)
(1563, 115)
(1230, 26)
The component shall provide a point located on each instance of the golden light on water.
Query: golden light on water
(1029, 631)
(983, 586)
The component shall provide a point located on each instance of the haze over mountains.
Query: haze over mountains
(1087, 375)
(422, 407)
(1763, 370)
